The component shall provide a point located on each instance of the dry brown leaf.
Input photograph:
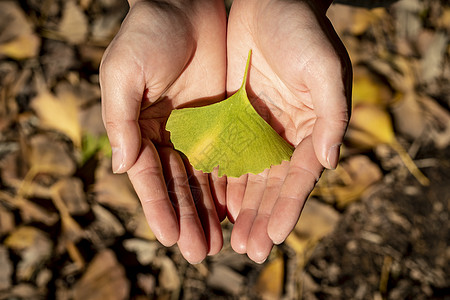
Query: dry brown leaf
(115, 191)
(409, 115)
(371, 126)
(13, 21)
(138, 225)
(364, 18)
(104, 279)
(316, 221)
(271, 279)
(169, 278)
(74, 24)
(29, 211)
(444, 19)
(349, 181)
(7, 222)
(105, 27)
(71, 230)
(34, 247)
(225, 279)
(22, 47)
(17, 40)
(70, 191)
(432, 63)
(6, 270)
(145, 250)
(105, 229)
(439, 118)
(407, 17)
(59, 113)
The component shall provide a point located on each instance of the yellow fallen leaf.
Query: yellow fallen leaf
(349, 181)
(22, 238)
(22, 47)
(368, 90)
(363, 19)
(74, 24)
(271, 279)
(371, 126)
(316, 221)
(59, 113)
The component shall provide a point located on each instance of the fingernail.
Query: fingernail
(333, 156)
(260, 261)
(117, 160)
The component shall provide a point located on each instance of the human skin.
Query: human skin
(300, 81)
(166, 55)
(173, 54)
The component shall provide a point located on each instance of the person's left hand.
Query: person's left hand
(299, 82)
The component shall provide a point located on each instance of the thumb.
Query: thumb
(330, 92)
(121, 92)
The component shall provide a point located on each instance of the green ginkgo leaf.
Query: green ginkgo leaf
(229, 134)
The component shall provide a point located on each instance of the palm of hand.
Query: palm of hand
(156, 63)
(287, 84)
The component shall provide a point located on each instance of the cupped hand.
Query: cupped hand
(299, 81)
(166, 55)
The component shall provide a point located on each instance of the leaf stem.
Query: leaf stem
(409, 163)
(244, 80)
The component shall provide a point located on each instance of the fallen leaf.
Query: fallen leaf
(6, 270)
(408, 115)
(59, 113)
(367, 89)
(316, 221)
(145, 250)
(74, 24)
(407, 18)
(270, 282)
(70, 191)
(432, 63)
(138, 225)
(225, 279)
(229, 134)
(371, 126)
(17, 38)
(349, 181)
(34, 248)
(104, 278)
(169, 279)
(115, 191)
(22, 47)
(105, 229)
(7, 222)
(364, 18)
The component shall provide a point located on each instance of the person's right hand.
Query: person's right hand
(167, 55)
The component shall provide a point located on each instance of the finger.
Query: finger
(121, 93)
(304, 171)
(330, 88)
(201, 193)
(254, 192)
(147, 178)
(191, 242)
(218, 190)
(259, 243)
(234, 195)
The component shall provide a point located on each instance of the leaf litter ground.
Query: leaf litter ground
(69, 229)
